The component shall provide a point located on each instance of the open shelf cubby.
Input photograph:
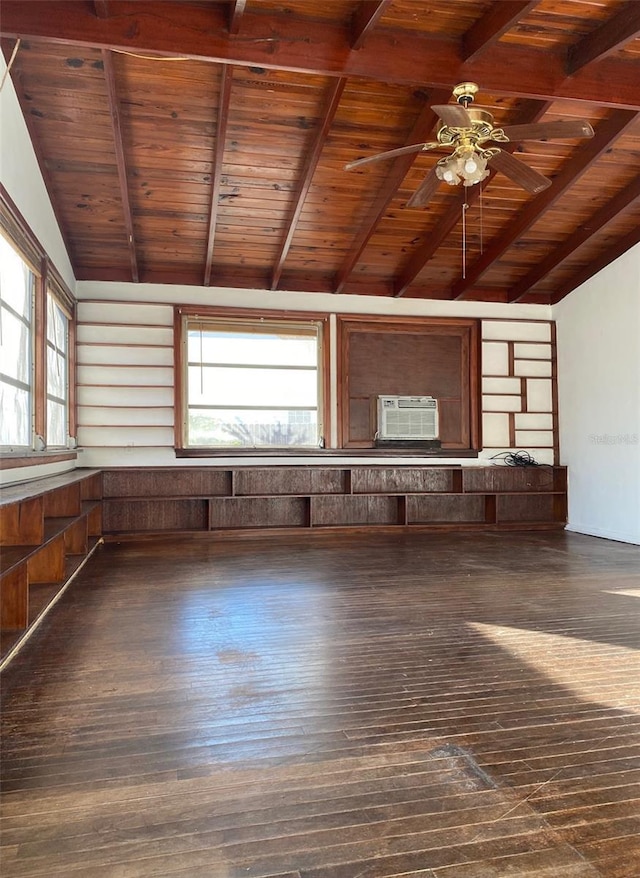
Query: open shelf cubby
(48, 527)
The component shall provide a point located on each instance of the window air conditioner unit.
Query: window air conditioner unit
(407, 417)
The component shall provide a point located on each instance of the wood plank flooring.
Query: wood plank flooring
(442, 706)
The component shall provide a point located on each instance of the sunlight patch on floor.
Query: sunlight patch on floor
(602, 666)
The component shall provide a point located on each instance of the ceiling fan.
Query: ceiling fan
(465, 130)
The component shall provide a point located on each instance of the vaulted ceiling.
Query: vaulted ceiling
(205, 142)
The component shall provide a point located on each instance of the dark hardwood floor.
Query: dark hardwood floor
(442, 706)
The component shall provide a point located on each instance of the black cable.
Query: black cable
(523, 459)
(516, 458)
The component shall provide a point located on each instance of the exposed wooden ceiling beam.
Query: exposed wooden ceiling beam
(398, 170)
(613, 34)
(306, 176)
(578, 164)
(497, 21)
(221, 135)
(279, 41)
(236, 11)
(532, 113)
(616, 206)
(101, 8)
(610, 255)
(365, 19)
(114, 109)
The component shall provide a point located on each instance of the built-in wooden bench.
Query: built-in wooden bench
(48, 529)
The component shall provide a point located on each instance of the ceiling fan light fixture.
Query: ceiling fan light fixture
(474, 168)
(448, 170)
(468, 167)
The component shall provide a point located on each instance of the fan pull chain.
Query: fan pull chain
(201, 365)
(481, 227)
(465, 208)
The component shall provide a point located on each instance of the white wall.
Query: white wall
(598, 328)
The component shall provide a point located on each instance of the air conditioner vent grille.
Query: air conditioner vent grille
(407, 417)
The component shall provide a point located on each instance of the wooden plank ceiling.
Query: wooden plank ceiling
(205, 142)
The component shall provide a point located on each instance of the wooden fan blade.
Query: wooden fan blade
(390, 154)
(549, 130)
(453, 115)
(425, 190)
(520, 173)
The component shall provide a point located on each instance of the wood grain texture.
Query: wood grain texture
(235, 121)
(445, 707)
(153, 515)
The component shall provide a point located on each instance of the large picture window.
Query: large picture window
(252, 383)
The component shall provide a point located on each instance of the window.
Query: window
(36, 345)
(252, 383)
(57, 374)
(17, 283)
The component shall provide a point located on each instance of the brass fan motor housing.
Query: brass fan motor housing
(482, 129)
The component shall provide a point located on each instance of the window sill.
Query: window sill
(12, 459)
(326, 452)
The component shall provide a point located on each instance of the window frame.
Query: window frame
(30, 324)
(47, 280)
(249, 317)
(469, 332)
(50, 294)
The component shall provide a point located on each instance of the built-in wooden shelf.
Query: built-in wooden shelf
(48, 528)
(233, 500)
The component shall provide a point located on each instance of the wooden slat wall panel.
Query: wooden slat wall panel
(125, 375)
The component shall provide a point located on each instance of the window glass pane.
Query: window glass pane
(56, 374)
(252, 387)
(15, 353)
(252, 348)
(16, 280)
(15, 424)
(252, 428)
(57, 335)
(57, 323)
(56, 423)
(16, 291)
